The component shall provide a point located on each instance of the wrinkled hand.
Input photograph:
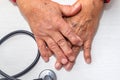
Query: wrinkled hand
(45, 18)
(85, 24)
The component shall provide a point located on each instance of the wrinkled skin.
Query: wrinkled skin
(45, 18)
(45, 28)
(85, 24)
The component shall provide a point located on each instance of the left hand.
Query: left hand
(45, 18)
(85, 25)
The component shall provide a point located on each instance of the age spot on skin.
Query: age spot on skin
(45, 3)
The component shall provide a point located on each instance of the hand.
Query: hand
(85, 24)
(45, 18)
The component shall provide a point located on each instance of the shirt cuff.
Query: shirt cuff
(13, 1)
(106, 1)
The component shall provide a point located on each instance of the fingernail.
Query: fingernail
(58, 66)
(64, 61)
(67, 67)
(71, 58)
(46, 59)
(88, 60)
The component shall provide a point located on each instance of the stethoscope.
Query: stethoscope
(46, 74)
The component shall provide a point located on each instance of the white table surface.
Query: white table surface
(18, 52)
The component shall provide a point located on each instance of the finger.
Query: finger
(45, 52)
(58, 65)
(69, 44)
(70, 65)
(56, 50)
(72, 10)
(87, 51)
(68, 32)
(59, 39)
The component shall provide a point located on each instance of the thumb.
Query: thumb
(70, 10)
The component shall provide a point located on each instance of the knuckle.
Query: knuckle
(49, 28)
(87, 51)
(69, 53)
(74, 40)
(68, 32)
(44, 54)
(61, 42)
(87, 47)
(52, 45)
(73, 37)
(76, 50)
(57, 22)
(60, 55)
(87, 56)
(37, 24)
(42, 46)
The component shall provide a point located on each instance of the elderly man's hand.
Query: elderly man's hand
(45, 18)
(85, 24)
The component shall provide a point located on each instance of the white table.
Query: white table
(19, 51)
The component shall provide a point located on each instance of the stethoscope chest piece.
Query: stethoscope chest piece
(48, 75)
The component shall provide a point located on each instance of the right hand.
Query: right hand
(45, 18)
(85, 24)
